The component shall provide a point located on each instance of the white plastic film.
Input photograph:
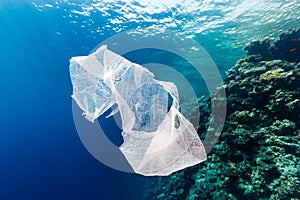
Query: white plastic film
(157, 141)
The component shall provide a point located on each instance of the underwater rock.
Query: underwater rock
(258, 154)
(286, 47)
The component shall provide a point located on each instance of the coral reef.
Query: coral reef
(258, 154)
(286, 47)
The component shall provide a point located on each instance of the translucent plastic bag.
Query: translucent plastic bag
(156, 141)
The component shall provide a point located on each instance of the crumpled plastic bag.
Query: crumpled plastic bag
(157, 141)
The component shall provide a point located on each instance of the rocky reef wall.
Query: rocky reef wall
(258, 154)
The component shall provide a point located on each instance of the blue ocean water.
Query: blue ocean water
(41, 154)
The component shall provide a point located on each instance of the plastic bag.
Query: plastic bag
(157, 141)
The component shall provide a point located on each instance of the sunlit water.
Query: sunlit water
(223, 27)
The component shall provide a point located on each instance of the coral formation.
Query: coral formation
(258, 154)
(286, 47)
